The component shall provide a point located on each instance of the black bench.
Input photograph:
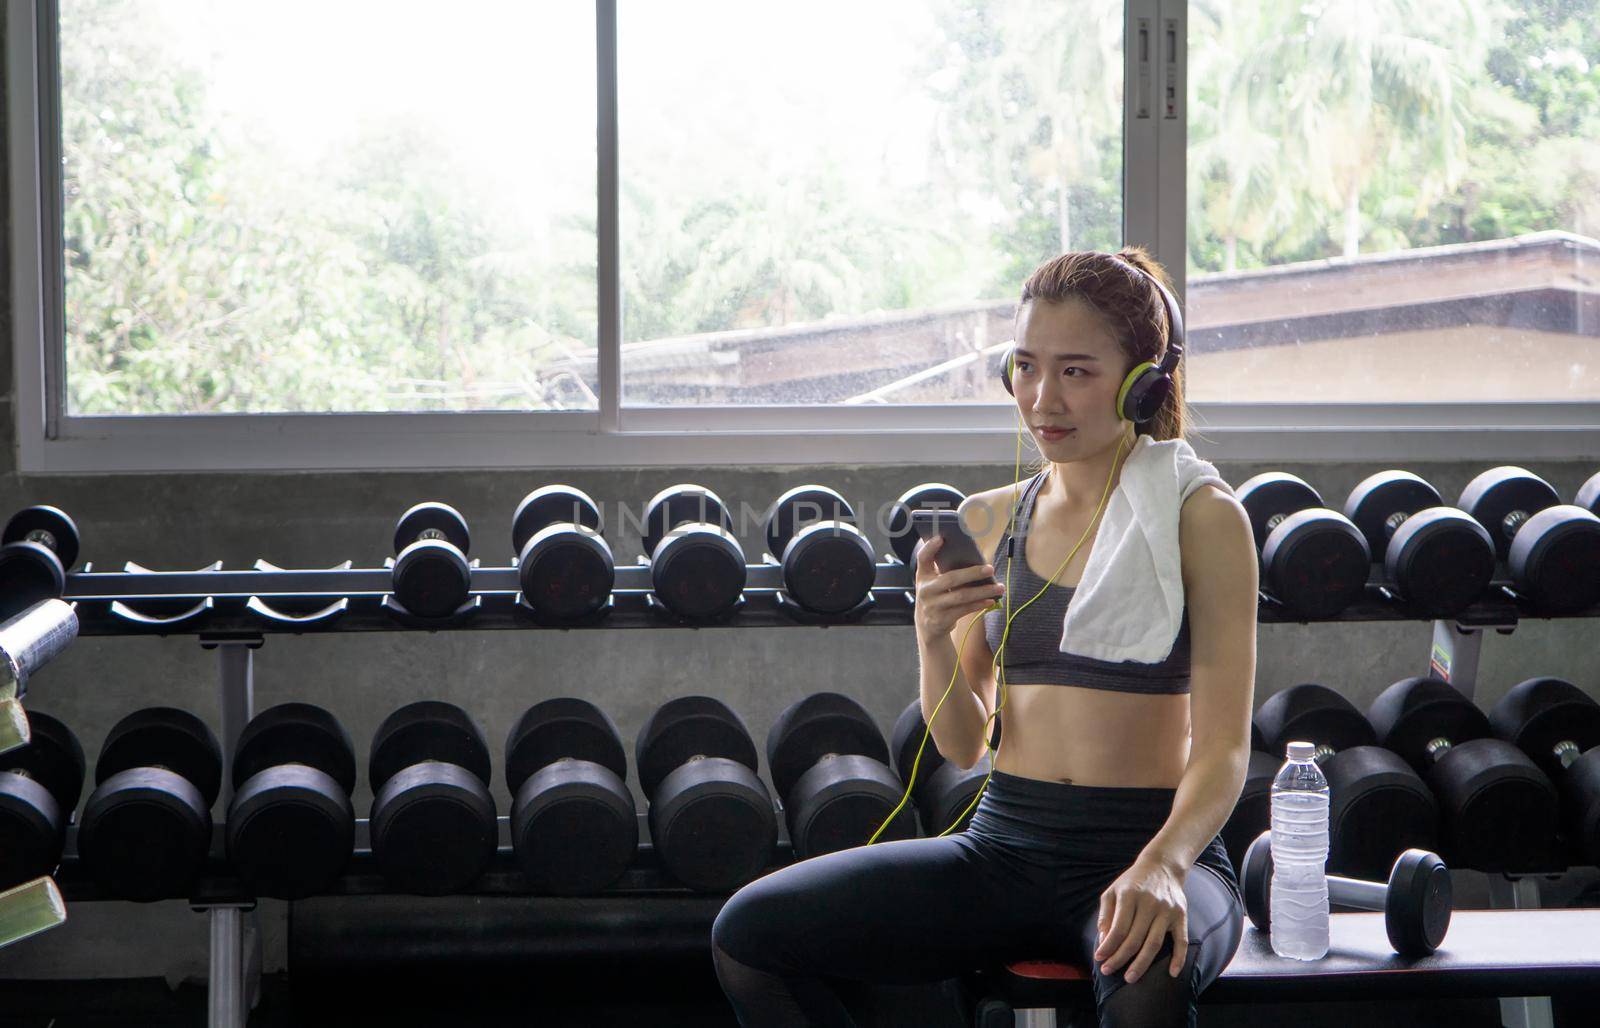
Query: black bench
(1486, 953)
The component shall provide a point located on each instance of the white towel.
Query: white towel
(1129, 603)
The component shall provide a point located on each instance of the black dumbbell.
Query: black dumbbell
(291, 828)
(1498, 810)
(712, 821)
(1589, 495)
(1551, 549)
(1313, 560)
(827, 563)
(39, 788)
(1378, 805)
(903, 539)
(564, 566)
(1558, 726)
(1439, 559)
(37, 548)
(941, 790)
(830, 766)
(432, 576)
(574, 826)
(1416, 901)
(146, 829)
(697, 567)
(1252, 811)
(433, 819)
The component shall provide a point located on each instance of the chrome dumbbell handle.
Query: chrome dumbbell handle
(30, 908)
(31, 640)
(28, 642)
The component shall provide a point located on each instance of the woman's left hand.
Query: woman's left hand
(1136, 913)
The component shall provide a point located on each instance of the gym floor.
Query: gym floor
(667, 996)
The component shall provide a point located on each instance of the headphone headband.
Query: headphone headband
(1174, 317)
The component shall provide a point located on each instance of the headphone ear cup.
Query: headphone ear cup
(1156, 396)
(1128, 396)
(1147, 395)
(1005, 373)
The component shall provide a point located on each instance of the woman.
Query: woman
(1096, 837)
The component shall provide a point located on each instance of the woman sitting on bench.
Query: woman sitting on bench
(1096, 837)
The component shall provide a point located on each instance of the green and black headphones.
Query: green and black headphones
(1144, 392)
(1148, 385)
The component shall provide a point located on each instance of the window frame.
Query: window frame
(1154, 158)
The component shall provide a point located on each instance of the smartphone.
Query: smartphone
(960, 550)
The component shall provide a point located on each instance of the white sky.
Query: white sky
(309, 72)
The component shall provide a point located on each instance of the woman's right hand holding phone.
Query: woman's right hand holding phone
(944, 598)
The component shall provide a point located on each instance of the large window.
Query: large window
(1396, 202)
(305, 206)
(837, 203)
(503, 234)
(833, 208)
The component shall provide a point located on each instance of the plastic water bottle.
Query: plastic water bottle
(1299, 898)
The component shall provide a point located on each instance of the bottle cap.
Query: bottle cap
(1301, 750)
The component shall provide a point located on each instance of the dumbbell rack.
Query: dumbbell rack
(235, 953)
(1454, 659)
(232, 612)
(233, 970)
(219, 602)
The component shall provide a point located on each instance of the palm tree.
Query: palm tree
(1040, 93)
(1238, 182)
(1299, 108)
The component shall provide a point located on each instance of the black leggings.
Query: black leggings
(1023, 881)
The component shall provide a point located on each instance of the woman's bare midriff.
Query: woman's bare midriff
(1065, 733)
(1082, 736)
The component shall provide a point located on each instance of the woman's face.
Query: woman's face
(1067, 373)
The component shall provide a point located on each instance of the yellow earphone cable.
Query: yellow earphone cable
(1010, 617)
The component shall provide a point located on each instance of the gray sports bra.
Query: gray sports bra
(1033, 654)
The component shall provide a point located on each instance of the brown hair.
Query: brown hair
(1130, 304)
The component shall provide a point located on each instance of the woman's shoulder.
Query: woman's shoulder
(1214, 535)
(987, 514)
(1209, 503)
(1000, 498)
